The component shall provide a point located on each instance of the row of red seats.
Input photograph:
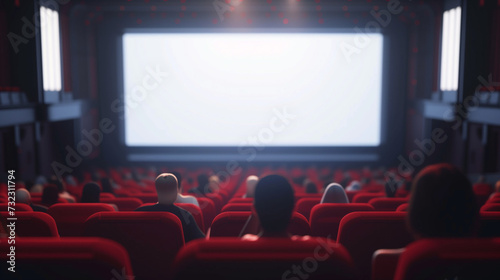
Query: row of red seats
(146, 234)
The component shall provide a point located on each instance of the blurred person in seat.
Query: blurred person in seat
(274, 203)
(23, 196)
(166, 188)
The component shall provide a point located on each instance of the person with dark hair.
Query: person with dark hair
(274, 202)
(311, 187)
(50, 195)
(442, 203)
(203, 185)
(180, 197)
(167, 187)
(106, 185)
(91, 193)
(62, 189)
(29, 185)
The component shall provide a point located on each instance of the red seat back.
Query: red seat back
(490, 207)
(299, 196)
(70, 217)
(241, 200)
(305, 205)
(387, 203)
(230, 224)
(106, 195)
(384, 264)
(217, 199)
(124, 203)
(151, 238)
(18, 207)
(403, 207)
(326, 217)
(495, 195)
(207, 208)
(351, 194)
(147, 197)
(66, 258)
(273, 258)
(450, 259)
(237, 207)
(493, 200)
(195, 211)
(365, 197)
(362, 233)
(192, 209)
(32, 224)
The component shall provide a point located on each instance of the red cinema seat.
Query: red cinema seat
(17, 207)
(450, 259)
(305, 205)
(387, 203)
(217, 199)
(495, 195)
(70, 217)
(151, 238)
(196, 212)
(403, 207)
(362, 233)
(66, 258)
(264, 259)
(241, 200)
(207, 208)
(493, 200)
(124, 203)
(482, 189)
(299, 196)
(38, 200)
(384, 264)
(230, 224)
(192, 209)
(106, 196)
(490, 207)
(365, 197)
(351, 194)
(489, 224)
(237, 207)
(325, 218)
(32, 224)
(147, 197)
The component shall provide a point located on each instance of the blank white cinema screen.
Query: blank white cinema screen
(265, 89)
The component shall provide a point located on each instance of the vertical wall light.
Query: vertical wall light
(450, 49)
(51, 49)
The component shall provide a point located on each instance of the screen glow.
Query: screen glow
(262, 89)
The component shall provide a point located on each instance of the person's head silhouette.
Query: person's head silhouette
(166, 188)
(274, 203)
(310, 187)
(203, 183)
(442, 203)
(91, 193)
